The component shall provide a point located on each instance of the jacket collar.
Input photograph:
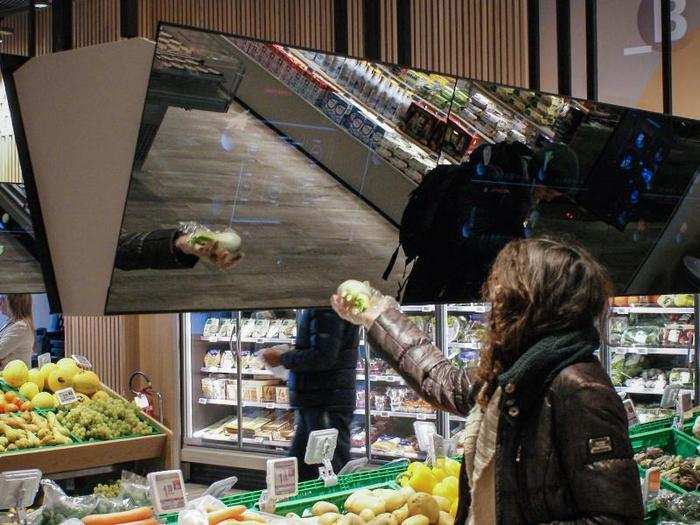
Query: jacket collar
(525, 382)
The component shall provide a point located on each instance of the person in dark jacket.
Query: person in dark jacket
(322, 374)
(546, 433)
(167, 249)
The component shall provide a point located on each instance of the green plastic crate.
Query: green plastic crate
(671, 441)
(312, 491)
(659, 424)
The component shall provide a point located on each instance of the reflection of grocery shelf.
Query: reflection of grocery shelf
(650, 350)
(428, 308)
(457, 418)
(382, 378)
(468, 346)
(650, 310)
(471, 308)
(391, 413)
(246, 404)
(216, 370)
(646, 391)
(259, 340)
(358, 450)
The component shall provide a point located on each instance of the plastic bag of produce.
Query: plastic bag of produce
(641, 336)
(200, 235)
(135, 488)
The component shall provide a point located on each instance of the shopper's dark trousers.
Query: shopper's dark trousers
(310, 419)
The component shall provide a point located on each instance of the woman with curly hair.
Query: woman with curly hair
(546, 432)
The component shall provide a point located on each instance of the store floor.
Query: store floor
(19, 271)
(303, 231)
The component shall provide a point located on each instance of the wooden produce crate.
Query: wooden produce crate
(80, 456)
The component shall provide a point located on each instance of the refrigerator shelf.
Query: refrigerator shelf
(641, 350)
(650, 310)
(647, 391)
(246, 404)
(392, 413)
(383, 378)
(216, 370)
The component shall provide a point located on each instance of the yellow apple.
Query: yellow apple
(15, 373)
(86, 382)
(44, 400)
(46, 370)
(28, 390)
(69, 367)
(35, 376)
(58, 380)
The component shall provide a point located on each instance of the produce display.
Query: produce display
(102, 418)
(682, 507)
(684, 472)
(31, 430)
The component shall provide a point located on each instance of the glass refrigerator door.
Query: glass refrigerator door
(210, 373)
(463, 335)
(652, 344)
(394, 406)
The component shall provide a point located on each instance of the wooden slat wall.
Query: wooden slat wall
(110, 343)
(16, 43)
(307, 23)
(356, 44)
(10, 170)
(96, 22)
(388, 47)
(484, 39)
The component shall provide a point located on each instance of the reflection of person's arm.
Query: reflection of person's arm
(152, 250)
(325, 337)
(420, 362)
(12, 340)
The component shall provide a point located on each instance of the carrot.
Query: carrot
(149, 521)
(142, 513)
(235, 512)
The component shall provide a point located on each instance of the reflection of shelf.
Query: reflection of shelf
(216, 370)
(650, 310)
(428, 308)
(467, 346)
(246, 404)
(649, 350)
(459, 419)
(382, 378)
(390, 413)
(472, 308)
(258, 340)
(646, 391)
(358, 450)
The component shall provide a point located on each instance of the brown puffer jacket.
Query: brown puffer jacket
(566, 459)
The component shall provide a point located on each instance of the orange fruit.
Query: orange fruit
(10, 396)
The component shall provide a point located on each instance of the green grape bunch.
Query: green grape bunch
(104, 419)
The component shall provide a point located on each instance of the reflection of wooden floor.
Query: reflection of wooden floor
(303, 232)
(19, 271)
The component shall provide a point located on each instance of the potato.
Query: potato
(343, 520)
(322, 507)
(446, 518)
(361, 502)
(329, 518)
(418, 519)
(252, 516)
(352, 505)
(425, 505)
(393, 499)
(401, 513)
(354, 519)
(366, 515)
(443, 502)
(384, 519)
(407, 491)
(292, 516)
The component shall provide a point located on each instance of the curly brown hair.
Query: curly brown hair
(538, 287)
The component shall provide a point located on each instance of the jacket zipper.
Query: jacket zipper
(522, 484)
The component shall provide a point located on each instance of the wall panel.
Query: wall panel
(16, 43)
(10, 170)
(95, 22)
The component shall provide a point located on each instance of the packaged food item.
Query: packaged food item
(218, 389)
(269, 394)
(275, 328)
(212, 359)
(211, 327)
(228, 361)
(681, 377)
(247, 328)
(253, 389)
(207, 388)
(261, 328)
(289, 329)
(641, 336)
(228, 328)
(231, 389)
(281, 395)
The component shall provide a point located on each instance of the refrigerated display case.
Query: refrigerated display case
(652, 345)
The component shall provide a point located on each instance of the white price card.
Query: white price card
(202, 400)
(632, 418)
(651, 484)
(282, 478)
(83, 362)
(43, 359)
(424, 434)
(66, 396)
(167, 490)
(141, 401)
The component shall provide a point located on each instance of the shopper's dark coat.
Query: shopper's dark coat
(323, 365)
(562, 455)
(152, 250)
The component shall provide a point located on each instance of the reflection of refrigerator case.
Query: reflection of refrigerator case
(385, 404)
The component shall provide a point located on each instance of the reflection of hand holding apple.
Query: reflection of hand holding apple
(208, 249)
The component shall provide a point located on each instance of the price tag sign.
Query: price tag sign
(422, 417)
(167, 490)
(426, 309)
(270, 406)
(43, 359)
(83, 362)
(282, 478)
(66, 396)
(652, 483)
(141, 401)
(683, 404)
(632, 418)
(202, 400)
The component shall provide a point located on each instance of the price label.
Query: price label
(426, 309)
(202, 400)
(83, 362)
(167, 490)
(270, 406)
(424, 435)
(43, 359)
(142, 401)
(480, 309)
(652, 483)
(422, 417)
(282, 478)
(383, 414)
(642, 351)
(632, 418)
(260, 341)
(66, 396)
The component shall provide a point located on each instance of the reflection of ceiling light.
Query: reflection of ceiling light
(7, 31)
(41, 5)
